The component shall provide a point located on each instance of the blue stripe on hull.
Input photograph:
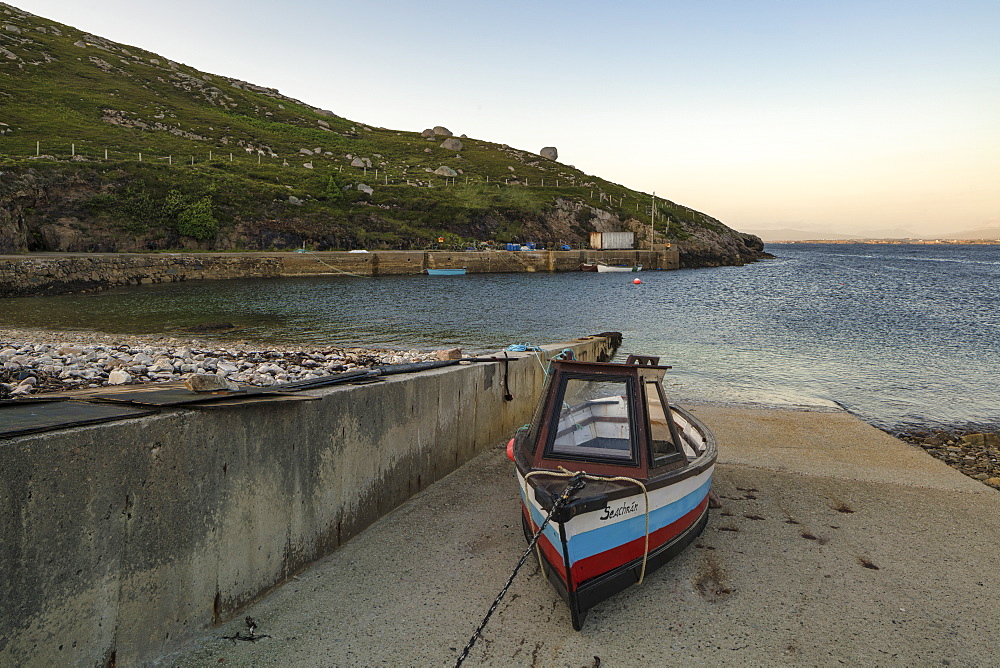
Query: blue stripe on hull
(599, 540)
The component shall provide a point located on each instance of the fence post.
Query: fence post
(230, 157)
(105, 154)
(170, 159)
(140, 157)
(38, 148)
(72, 149)
(210, 156)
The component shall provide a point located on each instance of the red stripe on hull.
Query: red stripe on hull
(619, 556)
(551, 554)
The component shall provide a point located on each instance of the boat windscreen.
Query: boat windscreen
(594, 420)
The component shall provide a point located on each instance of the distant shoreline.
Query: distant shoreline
(895, 242)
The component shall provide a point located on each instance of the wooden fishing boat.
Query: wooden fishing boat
(446, 272)
(646, 469)
(588, 266)
(607, 268)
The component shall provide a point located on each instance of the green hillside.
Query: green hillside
(108, 147)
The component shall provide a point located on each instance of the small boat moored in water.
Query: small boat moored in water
(607, 268)
(624, 475)
(446, 272)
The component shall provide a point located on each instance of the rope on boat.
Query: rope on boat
(574, 485)
(564, 473)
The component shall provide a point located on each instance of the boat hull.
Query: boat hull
(606, 269)
(446, 272)
(594, 555)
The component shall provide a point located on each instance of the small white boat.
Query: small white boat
(607, 268)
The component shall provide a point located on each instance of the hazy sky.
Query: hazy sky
(824, 115)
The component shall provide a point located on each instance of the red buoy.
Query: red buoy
(637, 281)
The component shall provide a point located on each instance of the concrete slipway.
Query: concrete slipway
(835, 544)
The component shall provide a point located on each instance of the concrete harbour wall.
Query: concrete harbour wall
(54, 273)
(119, 540)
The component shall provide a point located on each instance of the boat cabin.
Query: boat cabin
(607, 419)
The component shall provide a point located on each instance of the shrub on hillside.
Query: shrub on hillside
(197, 220)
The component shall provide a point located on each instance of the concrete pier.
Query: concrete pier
(119, 540)
(836, 544)
(54, 273)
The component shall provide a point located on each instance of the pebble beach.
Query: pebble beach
(34, 362)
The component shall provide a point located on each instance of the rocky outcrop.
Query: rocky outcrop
(549, 153)
(718, 247)
(444, 170)
(452, 144)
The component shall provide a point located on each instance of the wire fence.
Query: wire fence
(84, 151)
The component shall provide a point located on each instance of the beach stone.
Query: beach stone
(119, 377)
(450, 354)
(209, 382)
(162, 364)
(974, 439)
(993, 482)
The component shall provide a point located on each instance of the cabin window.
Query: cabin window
(594, 420)
(662, 434)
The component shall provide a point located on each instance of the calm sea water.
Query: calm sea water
(898, 335)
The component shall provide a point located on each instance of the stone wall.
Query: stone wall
(56, 273)
(120, 540)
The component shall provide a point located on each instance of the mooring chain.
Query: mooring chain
(574, 484)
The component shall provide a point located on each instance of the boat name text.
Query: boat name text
(625, 509)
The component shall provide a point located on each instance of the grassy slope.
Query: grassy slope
(220, 160)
